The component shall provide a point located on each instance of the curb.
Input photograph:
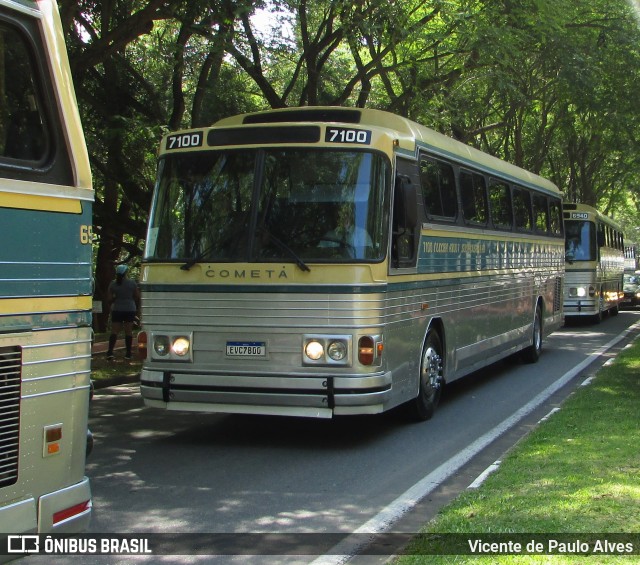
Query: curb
(115, 381)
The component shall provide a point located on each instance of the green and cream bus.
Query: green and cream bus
(594, 269)
(329, 261)
(46, 200)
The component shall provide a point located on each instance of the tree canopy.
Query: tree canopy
(550, 85)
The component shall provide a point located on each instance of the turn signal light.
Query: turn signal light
(366, 350)
(142, 345)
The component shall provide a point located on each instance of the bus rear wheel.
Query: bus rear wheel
(532, 353)
(422, 407)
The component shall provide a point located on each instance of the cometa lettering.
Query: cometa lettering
(247, 274)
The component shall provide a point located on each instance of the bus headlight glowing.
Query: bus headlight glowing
(181, 346)
(168, 347)
(314, 350)
(337, 350)
(327, 350)
(161, 345)
(577, 292)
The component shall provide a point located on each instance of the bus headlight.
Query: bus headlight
(171, 347)
(578, 292)
(337, 350)
(161, 345)
(314, 350)
(326, 350)
(181, 346)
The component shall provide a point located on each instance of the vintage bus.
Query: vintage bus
(45, 279)
(594, 269)
(333, 261)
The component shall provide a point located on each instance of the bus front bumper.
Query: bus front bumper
(580, 308)
(315, 397)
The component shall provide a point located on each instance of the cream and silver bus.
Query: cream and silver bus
(45, 279)
(328, 261)
(594, 254)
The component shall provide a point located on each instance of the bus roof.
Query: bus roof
(410, 135)
(579, 207)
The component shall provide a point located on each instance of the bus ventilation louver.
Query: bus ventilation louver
(341, 115)
(557, 295)
(10, 364)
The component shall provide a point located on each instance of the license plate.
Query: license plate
(246, 349)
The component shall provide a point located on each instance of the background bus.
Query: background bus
(331, 261)
(594, 256)
(45, 278)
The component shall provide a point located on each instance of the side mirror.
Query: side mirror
(405, 210)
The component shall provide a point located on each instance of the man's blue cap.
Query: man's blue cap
(121, 269)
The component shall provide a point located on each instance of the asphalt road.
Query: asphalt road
(167, 472)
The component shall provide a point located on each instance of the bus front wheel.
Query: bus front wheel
(422, 407)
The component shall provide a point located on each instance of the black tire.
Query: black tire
(597, 318)
(423, 406)
(532, 353)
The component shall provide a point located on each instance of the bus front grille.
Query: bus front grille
(10, 368)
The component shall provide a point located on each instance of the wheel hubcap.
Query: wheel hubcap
(431, 371)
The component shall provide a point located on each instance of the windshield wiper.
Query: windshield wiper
(191, 262)
(284, 247)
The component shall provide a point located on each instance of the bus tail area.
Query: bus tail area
(594, 263)
(45, 279)
(339, 261)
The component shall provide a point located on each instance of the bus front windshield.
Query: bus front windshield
(270, 205)
(580, 241)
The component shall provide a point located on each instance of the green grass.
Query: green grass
(577, 472)
(103, 369)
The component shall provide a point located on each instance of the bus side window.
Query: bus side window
(522, 209)
(21, 121)
(500, 205)
(438, 189)
(555, 217)
(473, 192)
(540, 213)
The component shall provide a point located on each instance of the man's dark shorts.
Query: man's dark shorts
(123, 316)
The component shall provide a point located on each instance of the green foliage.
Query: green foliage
(550, 85)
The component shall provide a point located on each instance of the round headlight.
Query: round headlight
(181, 346)
(314, 350)
(161, 345)
(337, 350)
(581, 292)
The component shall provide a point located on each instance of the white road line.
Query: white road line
(482, 477)
(384, 520)
(553, 411)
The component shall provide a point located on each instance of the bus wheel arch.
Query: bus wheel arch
(431, 375)
(531, 354)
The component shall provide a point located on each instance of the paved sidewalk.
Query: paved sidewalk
(101, 346)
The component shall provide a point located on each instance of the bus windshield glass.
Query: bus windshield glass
(580, 241)
(270, 205)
